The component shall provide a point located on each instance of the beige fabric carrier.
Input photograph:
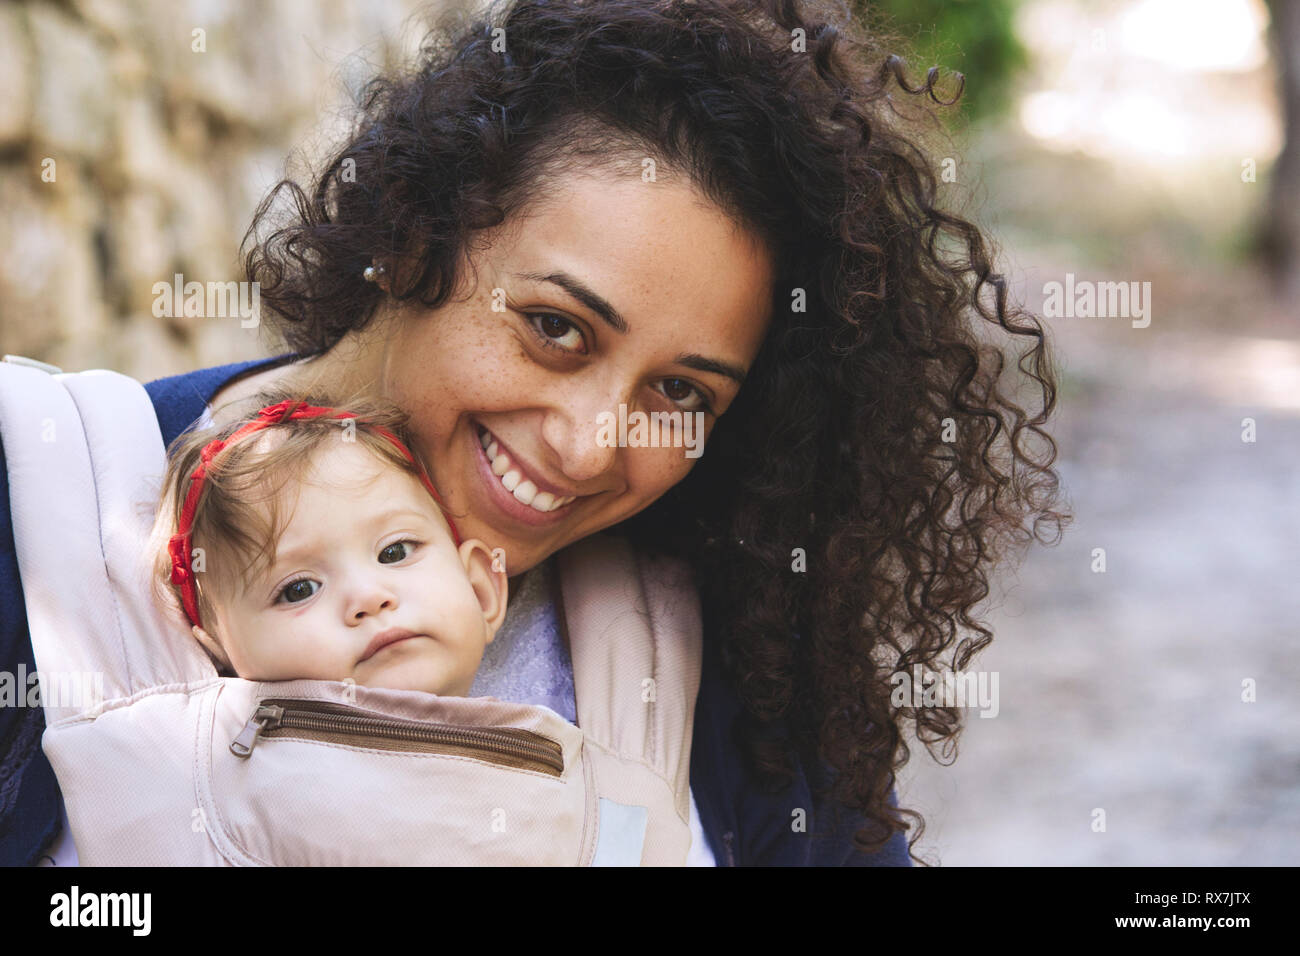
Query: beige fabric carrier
(140, 727)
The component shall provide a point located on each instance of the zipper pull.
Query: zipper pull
(266, 717)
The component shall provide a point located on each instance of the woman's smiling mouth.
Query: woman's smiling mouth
(518, 492)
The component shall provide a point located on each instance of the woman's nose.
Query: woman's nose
(572, 431)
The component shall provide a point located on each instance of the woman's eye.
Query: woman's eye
(679, 390)
(295, 592)
(397, 551)
(556, 332)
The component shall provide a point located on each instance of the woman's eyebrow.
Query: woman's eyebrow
(583, 294)
(703, 364)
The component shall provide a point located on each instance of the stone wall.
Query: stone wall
(137, 137)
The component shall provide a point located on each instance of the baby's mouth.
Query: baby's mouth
(514, 479)
(387, 638)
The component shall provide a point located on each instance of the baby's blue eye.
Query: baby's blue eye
(297, 591)
(396, 551)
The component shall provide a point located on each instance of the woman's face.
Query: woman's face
(617, 293)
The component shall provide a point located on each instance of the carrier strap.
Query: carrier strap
(85, 460)
(635, 639)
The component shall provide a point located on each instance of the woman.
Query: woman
(580, 210)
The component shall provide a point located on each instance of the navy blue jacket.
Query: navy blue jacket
(744, 825)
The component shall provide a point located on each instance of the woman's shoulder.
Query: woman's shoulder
(179, 400)
(750, 825)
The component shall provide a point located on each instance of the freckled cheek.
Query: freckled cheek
(471, 387)
(433, 389)
(656, 471)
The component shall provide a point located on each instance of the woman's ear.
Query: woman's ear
(487, 576)
(212, 647)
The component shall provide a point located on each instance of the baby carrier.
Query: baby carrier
(161, 761)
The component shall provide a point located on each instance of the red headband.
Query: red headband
(179, 545)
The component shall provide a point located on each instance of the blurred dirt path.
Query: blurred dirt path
(1123, 690)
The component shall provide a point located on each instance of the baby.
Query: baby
(310, 543)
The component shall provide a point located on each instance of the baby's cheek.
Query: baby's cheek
(470, 626)
(240, 660)
(262, 662)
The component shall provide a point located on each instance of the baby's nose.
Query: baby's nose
(370, 601)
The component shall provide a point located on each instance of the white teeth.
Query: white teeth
(512, 479)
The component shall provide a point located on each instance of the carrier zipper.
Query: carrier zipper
(338, 723)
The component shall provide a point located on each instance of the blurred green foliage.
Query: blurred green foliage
(972, 37)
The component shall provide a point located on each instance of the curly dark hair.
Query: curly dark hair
(875, 431)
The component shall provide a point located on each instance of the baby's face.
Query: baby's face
(366, 584)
